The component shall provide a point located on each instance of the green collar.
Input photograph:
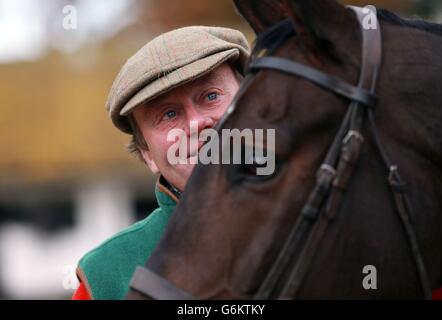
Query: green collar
(106, 270)
(167, 196)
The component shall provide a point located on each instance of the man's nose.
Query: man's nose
(198, 120)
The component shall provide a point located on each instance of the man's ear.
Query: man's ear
(261, 14)
(149, 161)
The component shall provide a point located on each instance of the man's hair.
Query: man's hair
(137, 141)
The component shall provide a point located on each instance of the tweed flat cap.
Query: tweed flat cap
(170, 60)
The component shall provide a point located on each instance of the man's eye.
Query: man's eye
(212, 96)
(169, 115)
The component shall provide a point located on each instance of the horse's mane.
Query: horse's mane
(420, 24)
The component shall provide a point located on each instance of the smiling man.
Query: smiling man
(185, 76)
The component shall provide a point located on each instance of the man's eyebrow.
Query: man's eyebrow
(149, 108)
(160, 101)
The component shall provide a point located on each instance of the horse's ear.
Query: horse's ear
(261, 14)
(321, 24)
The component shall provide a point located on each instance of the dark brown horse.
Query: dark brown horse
(231, 225)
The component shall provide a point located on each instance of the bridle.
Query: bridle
(332, 178)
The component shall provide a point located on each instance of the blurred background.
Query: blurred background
(66, 181)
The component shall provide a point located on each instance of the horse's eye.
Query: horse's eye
(251, 171)
(255, 169)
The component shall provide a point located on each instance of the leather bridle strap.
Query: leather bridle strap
(324, 80)
(404, 209)
(155, 287)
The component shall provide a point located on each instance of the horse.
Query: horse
(357, 185)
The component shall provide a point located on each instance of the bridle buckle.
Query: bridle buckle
(353, 134)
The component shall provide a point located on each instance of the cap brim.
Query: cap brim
(178, 77)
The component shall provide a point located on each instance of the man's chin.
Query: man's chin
(180, 176)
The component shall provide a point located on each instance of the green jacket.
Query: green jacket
(107, 270)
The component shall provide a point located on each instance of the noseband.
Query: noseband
(332, 178)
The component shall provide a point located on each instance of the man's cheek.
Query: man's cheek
(175, 152)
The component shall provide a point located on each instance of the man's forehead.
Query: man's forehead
(216, 76)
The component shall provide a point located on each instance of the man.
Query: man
(183, 76)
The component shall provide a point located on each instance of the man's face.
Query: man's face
(203, 101)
